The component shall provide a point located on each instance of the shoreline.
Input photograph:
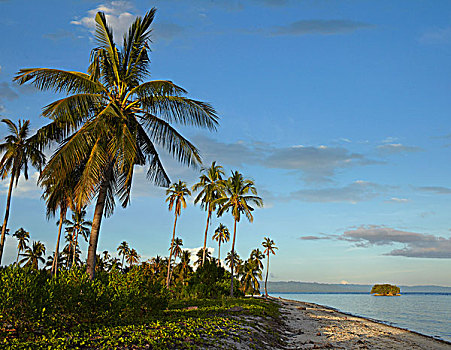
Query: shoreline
(309, 325)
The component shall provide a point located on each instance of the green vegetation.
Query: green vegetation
(110, 121)
(385, 289)
(119, 309)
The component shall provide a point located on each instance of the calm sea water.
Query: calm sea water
(426, 313)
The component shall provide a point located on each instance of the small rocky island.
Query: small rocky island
(385, 290)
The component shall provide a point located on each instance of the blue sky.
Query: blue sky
(339, 110)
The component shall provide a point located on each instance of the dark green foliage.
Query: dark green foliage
(71, 300)
(210, 281)
(385, 289)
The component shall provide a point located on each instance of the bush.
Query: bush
(30, 298)
(211, 281)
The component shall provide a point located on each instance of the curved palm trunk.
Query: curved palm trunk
(5, 221)
(233, 262)
(95, 229)
(168, 277)
(266, 279)
(55, 257)
(206, 233)
(122, 265)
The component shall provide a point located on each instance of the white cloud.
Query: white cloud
(394, 148)
(397, 200)
(25, 188)
(118, 14)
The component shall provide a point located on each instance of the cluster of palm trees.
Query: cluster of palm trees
(110, 121)
(216, 194)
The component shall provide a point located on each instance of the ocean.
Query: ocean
(425, 313)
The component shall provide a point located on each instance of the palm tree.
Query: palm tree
(221, 235)
(200, 257)
(22, 237)
(17, 151)
(237, 261)
(257, 256)
(58, 194)
(178, 244)
(112, 120)
(209, 184)
(77, 226)
(176, 197)
(269, 246)
(123, 250)
(184, 268)
(237, 196)
(132, 257)
(33, 255)
(251, 274)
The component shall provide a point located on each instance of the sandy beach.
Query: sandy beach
(311, 326)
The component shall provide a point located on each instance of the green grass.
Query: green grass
(177, 328)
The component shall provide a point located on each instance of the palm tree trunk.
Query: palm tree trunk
(168, 277)
(266, 279)
(206, 233)
(75, 249)
(122, 265)
(233, 253)
(5, 222)
(219, 253)
(55, 257)
(95, 229)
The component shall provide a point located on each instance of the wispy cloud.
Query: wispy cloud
(395, 148)
(314, 163)
(397, 200)
(435, 189)
(436, 36)
(6, 93)
(416, 245)
(355, 192)
(319, 27)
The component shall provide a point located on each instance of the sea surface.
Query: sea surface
(426, 313)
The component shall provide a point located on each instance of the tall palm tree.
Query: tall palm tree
(112, 120)
(33, 255)
(269, 246)
(184, 268)
(221, 235)
(123, 250)
(77, 226)
(132, 257)
(18, 150)
(22, 238)
(209, 184)
(238, 194)
(177, 251)
(176, 194)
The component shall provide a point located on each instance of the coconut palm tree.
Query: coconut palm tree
(22, 238)
(269, 246)
(18, 151)
(176, 194)
(257, 256)
(221, 235)
(77, 226)
(123, 250)
(200, 257)
(209, 184)
(251, 275)
(183, 268)
(112, 120)
(33, 255)
(132, 257)
(238, 193)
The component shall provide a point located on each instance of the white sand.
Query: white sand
(310, 326)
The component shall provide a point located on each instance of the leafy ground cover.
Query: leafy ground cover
(189, 324)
